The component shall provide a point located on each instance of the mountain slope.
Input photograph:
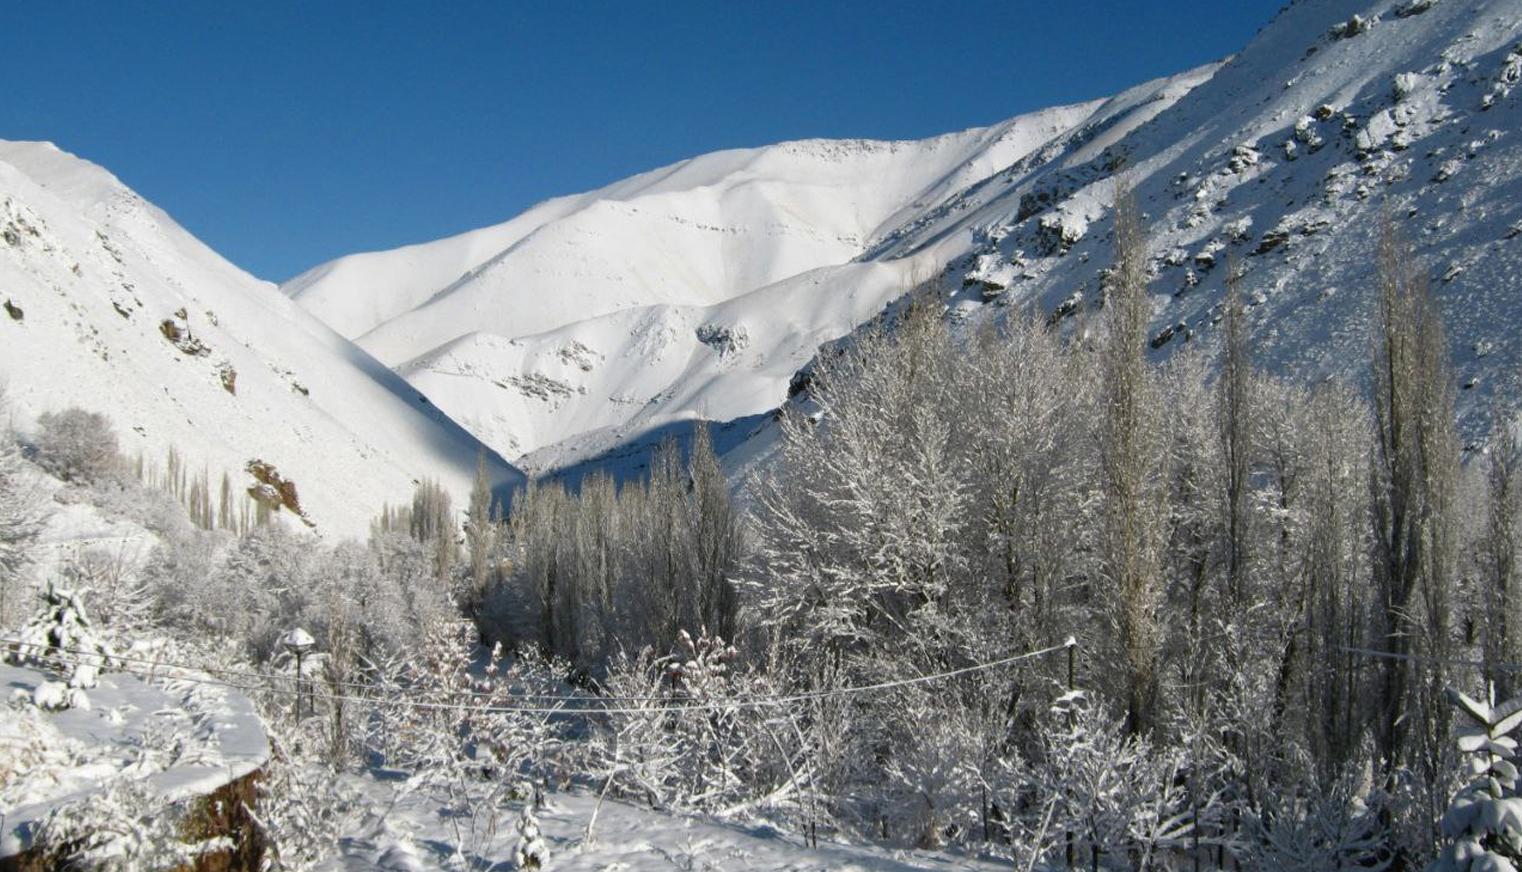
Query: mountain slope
(697, 290)
(115, 308)
(694, 290)
(1284, 161)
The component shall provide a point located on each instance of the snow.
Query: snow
(65, 756)
(577, 328)
(414, 835)
(297, 640)
(583, 321)
(96, 272)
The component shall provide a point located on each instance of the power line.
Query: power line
(673, 704)
(1419, 658)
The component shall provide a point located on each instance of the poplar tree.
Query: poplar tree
(1129, 459)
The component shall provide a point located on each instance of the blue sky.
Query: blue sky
(286, 134)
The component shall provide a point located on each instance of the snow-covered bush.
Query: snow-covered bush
(1121, 799)
(123, 828)
(689, 731)
(1483, 825)
(462, 730)
(302, 807)
(77, 445)
(531, 852)
(61, 638)
(1316, 828)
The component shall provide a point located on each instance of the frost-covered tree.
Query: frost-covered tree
(76, 445)
(433, 523)
(1130, 458)
(1501, 548)
(1334, 557)
(1026, 405)
(860, 528)
(480, 537)
(1414, 477)
(22, 512)
(716, 533)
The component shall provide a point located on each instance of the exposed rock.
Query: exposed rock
(1065, 308)
(1448, 170)
(1242, 157)
(1272, 240)
(177, 331)
(726, 339)
(273, 491)
(1351, 28)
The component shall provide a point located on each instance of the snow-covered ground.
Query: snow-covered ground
(414, 834)
(183, 737)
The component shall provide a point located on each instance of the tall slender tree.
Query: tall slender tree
(1415, 471)
(1130, 461)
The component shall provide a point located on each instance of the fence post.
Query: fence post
(1072, 645)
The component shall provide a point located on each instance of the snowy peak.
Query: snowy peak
(734, 220)
(697, 289)
(115, 308)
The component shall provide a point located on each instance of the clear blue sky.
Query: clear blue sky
(286, 134)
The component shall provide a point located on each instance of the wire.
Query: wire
(1418, 658)
(678, 706)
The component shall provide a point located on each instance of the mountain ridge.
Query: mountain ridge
(697, 290)
(655, 285)
(120, 310)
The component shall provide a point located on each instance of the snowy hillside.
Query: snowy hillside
(698, 289)
(1283, 161)
(113, 307)
(694, 290)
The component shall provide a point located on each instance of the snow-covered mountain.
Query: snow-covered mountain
(111, 306)
(699, 289)
(1284, 160)
(694, 290)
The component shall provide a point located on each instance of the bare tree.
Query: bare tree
(1235, 415)
(433, 523)
(1130, 461)
(480, 535)
(1414, 474)
(1499, 557)
(22, 512)
(716, 538)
